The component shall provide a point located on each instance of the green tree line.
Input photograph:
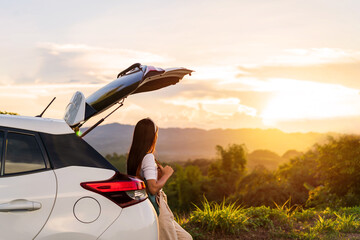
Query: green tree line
(327, 175)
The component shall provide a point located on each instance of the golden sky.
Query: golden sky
(292, 65)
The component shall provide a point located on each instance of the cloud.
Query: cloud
(313, 56)
(98, 54)
(350, 124)
(30, 99)
(319, 65)
(217, 106)
(284, 94)
(82, 63)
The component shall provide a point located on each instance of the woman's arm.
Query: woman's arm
(154, 186)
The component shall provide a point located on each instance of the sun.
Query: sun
(301, 100)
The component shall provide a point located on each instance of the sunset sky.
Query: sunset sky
(292, 65)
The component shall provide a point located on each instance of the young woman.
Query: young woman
(142, 163)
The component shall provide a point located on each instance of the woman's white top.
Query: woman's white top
(148, 168)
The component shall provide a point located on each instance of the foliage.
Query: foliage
(323, 225)
(118, 161)
(226, 171)
(184, 188)
(321, 197)
(304, 215)
(313, 196)
(265, 158)
(219, 217)
(326, 175)
(299, 176)
(8, 113)
(283, 222)
(347, 223)
(203, 165)
(339, 168)
(260, 187)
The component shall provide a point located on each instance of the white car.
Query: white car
(53, 185)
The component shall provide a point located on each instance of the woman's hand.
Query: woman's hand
(167, 170)
(154, 186)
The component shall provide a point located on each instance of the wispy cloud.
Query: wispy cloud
(299, 56)
(219, 106)
(336, 66)
(98, 54)
(84, 63)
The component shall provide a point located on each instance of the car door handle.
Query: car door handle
(20, 205)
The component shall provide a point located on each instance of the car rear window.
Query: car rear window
(69, 150)
(22, 154)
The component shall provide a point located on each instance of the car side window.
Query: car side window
(22, 154)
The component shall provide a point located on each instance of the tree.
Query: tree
(225, 172)
(118, 161)
(300, 175)
(326, 175)
(260, 187)
(339, 167)
(184, 188)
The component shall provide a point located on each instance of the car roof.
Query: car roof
(37, 124)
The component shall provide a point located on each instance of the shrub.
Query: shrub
(347, 223)
(324, 226)
(8, 113)
(304, 215)
(220, 217)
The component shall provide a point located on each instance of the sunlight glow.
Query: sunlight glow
(297, 100)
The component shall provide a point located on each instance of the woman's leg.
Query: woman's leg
(181, 233)
(167, 229)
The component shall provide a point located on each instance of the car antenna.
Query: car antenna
(46, 107)
(101, 120)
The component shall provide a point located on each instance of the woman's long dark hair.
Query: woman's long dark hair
(144, 140)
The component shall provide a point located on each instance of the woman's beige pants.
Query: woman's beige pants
(169, 229)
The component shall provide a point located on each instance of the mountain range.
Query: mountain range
(180, 144)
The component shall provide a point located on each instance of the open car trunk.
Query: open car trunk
(135, 79)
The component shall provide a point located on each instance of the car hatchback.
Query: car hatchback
(54, 185)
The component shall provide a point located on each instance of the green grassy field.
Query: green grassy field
(228, 221)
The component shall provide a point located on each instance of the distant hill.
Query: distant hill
(179, 144)
(269, 159)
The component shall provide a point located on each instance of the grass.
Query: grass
(230, 221)
(220, 217)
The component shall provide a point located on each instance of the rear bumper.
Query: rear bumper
(135, 222)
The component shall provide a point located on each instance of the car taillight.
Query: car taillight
(121, 189)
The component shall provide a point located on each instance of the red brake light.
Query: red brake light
(121, 189)
(131, 185)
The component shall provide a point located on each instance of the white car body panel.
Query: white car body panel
(128, 226)
(37, 187)
(37, 124)
(62, 223)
